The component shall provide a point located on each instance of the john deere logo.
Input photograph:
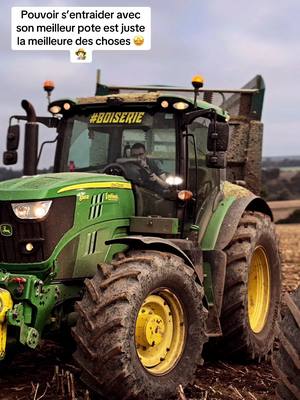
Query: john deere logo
(6, 230)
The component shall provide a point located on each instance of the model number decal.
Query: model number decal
(83, 196)
(111, 197)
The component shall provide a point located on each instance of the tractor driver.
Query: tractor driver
(156, 175)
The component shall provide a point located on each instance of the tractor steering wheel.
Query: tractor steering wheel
(114, 169)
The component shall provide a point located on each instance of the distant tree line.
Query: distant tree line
(277, 186)
(268, 163)
(9, 173)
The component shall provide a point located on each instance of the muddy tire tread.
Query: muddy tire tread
(237, 341)
(101, 334)
(286, 361)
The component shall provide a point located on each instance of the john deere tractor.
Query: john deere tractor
(143, 273)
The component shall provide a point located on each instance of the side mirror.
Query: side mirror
(13, 137)
(218, 136)
(10, 157)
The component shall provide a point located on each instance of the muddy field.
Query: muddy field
(35, 375)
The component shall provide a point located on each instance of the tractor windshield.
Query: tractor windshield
(98, 139)
(139, 145)
(144, 147)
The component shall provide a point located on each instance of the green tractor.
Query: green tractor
(148, 238)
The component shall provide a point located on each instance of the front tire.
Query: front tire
(252, 289)
(141, 326)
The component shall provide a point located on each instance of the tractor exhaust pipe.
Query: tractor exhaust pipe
(31, 140)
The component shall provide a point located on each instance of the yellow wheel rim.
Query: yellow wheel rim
(258, 290)
(160, 332)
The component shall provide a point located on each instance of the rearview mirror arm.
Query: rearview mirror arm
(190, 116)
(49, 122)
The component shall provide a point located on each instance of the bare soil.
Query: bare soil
(32, 375)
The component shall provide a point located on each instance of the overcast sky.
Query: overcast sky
(228, 42)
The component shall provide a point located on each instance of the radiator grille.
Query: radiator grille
(43, 234)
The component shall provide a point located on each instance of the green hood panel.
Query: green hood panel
(57, 185)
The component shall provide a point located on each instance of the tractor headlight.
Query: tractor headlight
(32, 210)
(60, 106)
(55, 109)
(174, 180)
(180, 105)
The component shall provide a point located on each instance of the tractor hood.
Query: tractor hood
(57, 185)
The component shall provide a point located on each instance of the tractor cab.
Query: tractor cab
(158, 143)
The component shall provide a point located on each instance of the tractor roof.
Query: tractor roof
(246, 102)
(149, 97)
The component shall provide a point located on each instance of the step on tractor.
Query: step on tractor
(147, 240)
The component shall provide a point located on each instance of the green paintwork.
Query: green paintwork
(20, 317)
(208, 289)
(86, 261)
(117, 206)
(231, 194)
(43, 187)
(154, 225)
(100, 214)
(33, 303)
(209, 241)
(215, 223)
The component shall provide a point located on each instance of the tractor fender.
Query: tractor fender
(233, 216)
(220, 231)
(151, 243)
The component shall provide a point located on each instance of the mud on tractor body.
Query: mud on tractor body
(143, 272)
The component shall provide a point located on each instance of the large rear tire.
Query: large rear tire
(141, 327)
(286, 361)
(252, 289)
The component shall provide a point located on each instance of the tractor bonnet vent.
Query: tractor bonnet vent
(96, 206)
